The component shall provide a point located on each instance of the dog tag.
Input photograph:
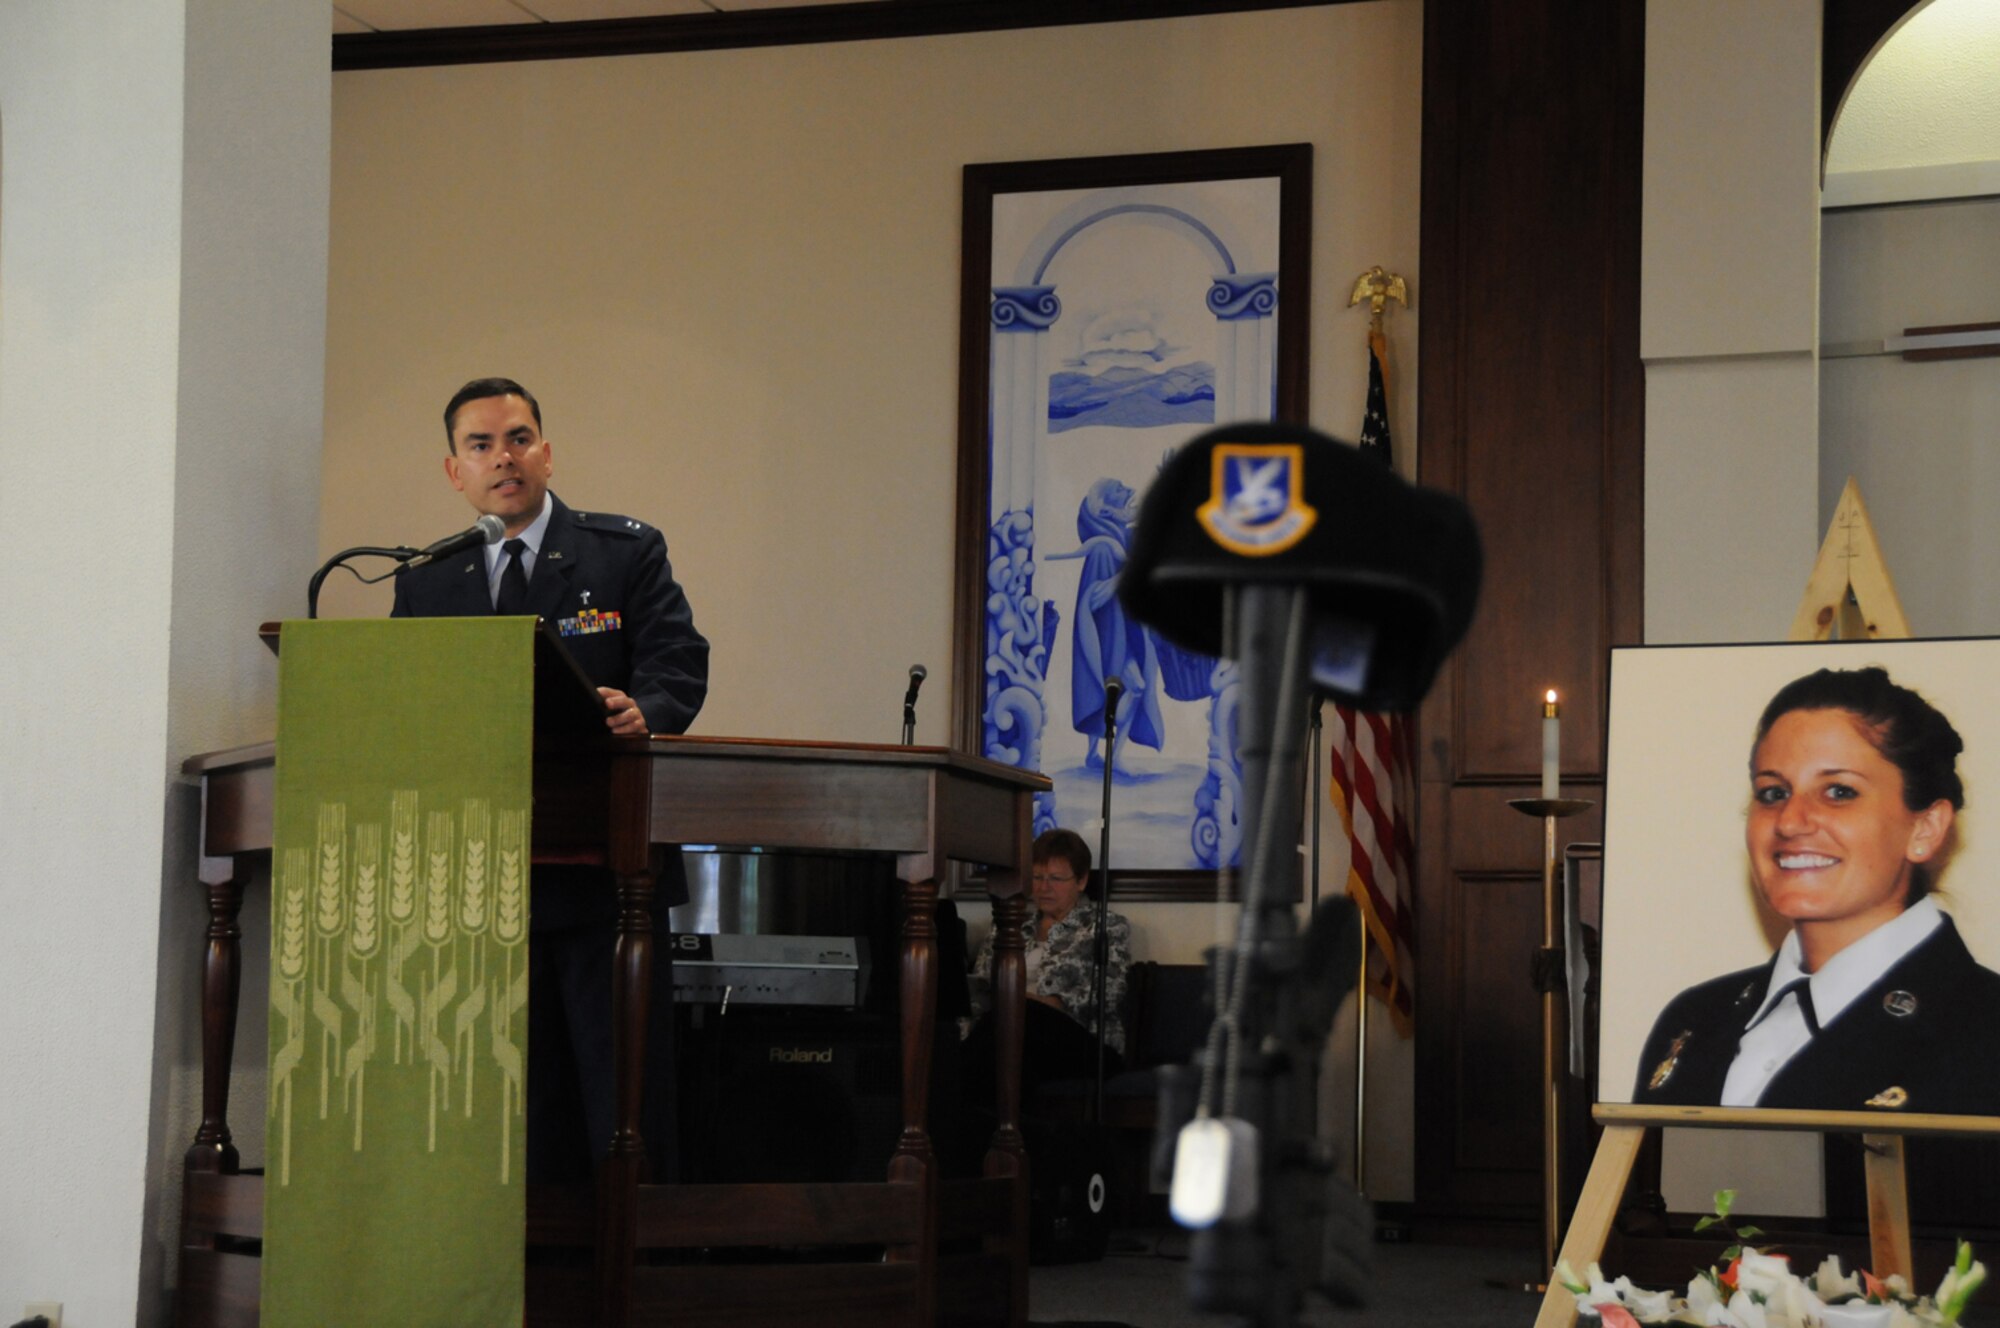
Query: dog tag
(1215, 1172)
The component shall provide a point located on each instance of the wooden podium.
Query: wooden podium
(608, 802)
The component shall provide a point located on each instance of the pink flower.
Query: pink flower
(1615, 1315)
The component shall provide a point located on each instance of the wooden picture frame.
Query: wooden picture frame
(1117, 307)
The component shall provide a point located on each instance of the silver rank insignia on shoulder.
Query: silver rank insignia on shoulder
(630, 524)
(1665, 1069)
(1902, 1004)
(1893, 1096)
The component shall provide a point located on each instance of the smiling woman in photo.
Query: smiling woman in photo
(1872, 1001)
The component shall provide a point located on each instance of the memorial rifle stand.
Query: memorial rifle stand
(1850, 594)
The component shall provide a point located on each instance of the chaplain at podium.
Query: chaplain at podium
(605, 583)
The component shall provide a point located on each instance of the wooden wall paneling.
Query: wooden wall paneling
(1531, 396)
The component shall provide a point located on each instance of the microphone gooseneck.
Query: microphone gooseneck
(486, 530)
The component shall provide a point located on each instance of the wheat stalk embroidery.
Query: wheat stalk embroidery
(403, 855)
(327, 915)
(442, 984)
(364, 941)
(510, 916)
(352, 911)
(285, 999)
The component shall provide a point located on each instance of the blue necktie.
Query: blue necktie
(513, 581)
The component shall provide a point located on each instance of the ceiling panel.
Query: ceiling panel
(571, 11)
(399, 15)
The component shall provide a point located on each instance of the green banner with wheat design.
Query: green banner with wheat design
(399, 974)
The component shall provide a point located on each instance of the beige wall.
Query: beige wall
(732, 278)
(163, 256)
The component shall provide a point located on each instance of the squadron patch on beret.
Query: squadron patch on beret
(1256, 504)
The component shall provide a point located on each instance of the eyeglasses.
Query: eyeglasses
(1050, 878)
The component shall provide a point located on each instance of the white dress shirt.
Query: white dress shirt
(1778, 1031)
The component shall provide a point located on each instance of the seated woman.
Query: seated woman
(1872, 1001)
(1060, 1040)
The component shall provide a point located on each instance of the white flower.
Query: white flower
(1830, 1284)
(1800, 1307)
(1701, 1294)
(1765, 1274)
(1745, 1312)
(1717, 1315)
(1922, 1315)
(1621, 1292)
(1647, 1306)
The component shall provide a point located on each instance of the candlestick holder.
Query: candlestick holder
(1550, 981)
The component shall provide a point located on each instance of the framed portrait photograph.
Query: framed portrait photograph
(1801, 880)
(1113, 308)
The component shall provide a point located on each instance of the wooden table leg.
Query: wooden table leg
(222, 980)
(1596, 1209)
(914, 1162)
(1888, 1204)
(1007, 1155)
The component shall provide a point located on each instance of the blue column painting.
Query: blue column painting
(1130, 320)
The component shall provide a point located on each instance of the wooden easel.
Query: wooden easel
(1849, 591)
(1849, 594)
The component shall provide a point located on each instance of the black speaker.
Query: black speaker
(799, 1095)
(1069, 1192)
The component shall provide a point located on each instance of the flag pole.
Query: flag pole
(1377, 286)
(1361, 1076)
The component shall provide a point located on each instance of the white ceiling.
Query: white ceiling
(396, 15)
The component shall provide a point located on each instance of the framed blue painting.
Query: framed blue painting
(1112, 309)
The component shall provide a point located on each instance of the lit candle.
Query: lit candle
(1551, 743)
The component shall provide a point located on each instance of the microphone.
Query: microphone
(486, 530)
(917, 675)
(1113, 689)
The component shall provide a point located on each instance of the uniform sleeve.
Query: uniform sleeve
(669, 657)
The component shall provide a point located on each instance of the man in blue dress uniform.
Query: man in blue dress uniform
(606, 584)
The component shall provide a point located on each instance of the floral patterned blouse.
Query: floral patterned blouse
(1066, 967)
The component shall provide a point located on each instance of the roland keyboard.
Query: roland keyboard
(729, 970)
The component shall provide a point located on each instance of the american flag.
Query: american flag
(1374, 790)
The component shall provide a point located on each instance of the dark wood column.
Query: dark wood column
(1532, 409)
